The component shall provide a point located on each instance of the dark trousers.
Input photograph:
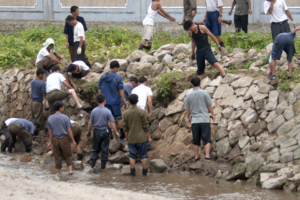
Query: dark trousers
(100, 144)
(5, 143)
(278, 28)
(241, 23)
(72, 55)
(82, 55)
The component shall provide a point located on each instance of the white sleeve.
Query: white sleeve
(266, 7)
(220, 3)
(149, 92)
(284, 5)
(80, 30)
(62, 78)
(44, 52)
(84, 67)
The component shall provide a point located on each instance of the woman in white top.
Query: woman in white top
(280, 14)
(154, 9)
(44, 58)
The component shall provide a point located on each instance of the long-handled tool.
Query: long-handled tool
(179, 164)
(178, 128)
(233, 158)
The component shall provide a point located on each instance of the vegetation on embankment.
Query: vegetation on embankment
(20, 49)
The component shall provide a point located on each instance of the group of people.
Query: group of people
(133, 124)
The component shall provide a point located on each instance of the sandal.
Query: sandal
(70, 174)
(197, 159)
(207, 158)
(82, 108)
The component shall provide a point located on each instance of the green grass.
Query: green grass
(20, 49)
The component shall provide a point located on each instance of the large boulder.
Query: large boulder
(180, 48)
(114, 146)
(235, 134)
(237, 172)
(165, 123)
(223, 147)
(274, 183)
(250, 116)
(158, 166)
(136, 56)
(175, 107)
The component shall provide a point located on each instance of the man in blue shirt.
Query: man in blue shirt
(128, 87)
(283, 42)
(111, 86)
(102, 120)
(38, 93)
(59, 128)
(69, 32)
(24, 129)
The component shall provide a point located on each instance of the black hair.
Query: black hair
(55, 69)
(71, 68)
(73, 9)
(40, 71)
(195, 81)
(36, 123)
(70, 18)
(188, 24)
(142, 80)
(114, 64)
(133, 99)
(57, 105)
(134, 79)
(100, 98)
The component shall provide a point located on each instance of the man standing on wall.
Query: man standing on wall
(279, 19)
(38, 94)
(242, 9)
(154, 8)
(213, 18)
(198, 104)
(79, 38)
(190, 10)
(111, 86)
(69, 32)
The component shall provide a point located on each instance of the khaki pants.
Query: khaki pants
(15, 130)
(76, 130)
(62, 150)
(187, 8)
(37, 112)
(55, 95)
(72, 55)
(46, 63)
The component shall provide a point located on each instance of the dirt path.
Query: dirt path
(15, 186)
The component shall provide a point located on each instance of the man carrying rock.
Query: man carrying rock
(38, 94)
(54, 92)
(198, 104)
(79, 38)
(144, 94)
(102, 120)
(24, 130)
(199, 36)
(154, 9)
(76, 130)
(284, 42)
(77, 69)
(136, 128)
(242, 9)
(69, 32)
(44, 58)
(213, 18)
(111, 86)
(6, 134)
(60, 133)
(279, 19)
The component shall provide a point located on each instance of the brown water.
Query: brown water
(174, 186)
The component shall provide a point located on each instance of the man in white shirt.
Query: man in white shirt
(54, 92)
(154, 9)
(213, 18)
(279, 16)
(79, 38)
(145, 96)
(77, 69)
(44, 58)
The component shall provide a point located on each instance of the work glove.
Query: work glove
(294, 23)
(79, 51)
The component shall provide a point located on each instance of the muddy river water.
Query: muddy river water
(176, 186)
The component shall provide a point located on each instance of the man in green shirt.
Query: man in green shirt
(136, 128)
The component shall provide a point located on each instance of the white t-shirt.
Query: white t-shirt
(8, 121)
(278, 14)
(42, 53)
(81, 66)
(143, 92)
(53, 81)
(78, 32)
(213, 5)
(150, 17)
